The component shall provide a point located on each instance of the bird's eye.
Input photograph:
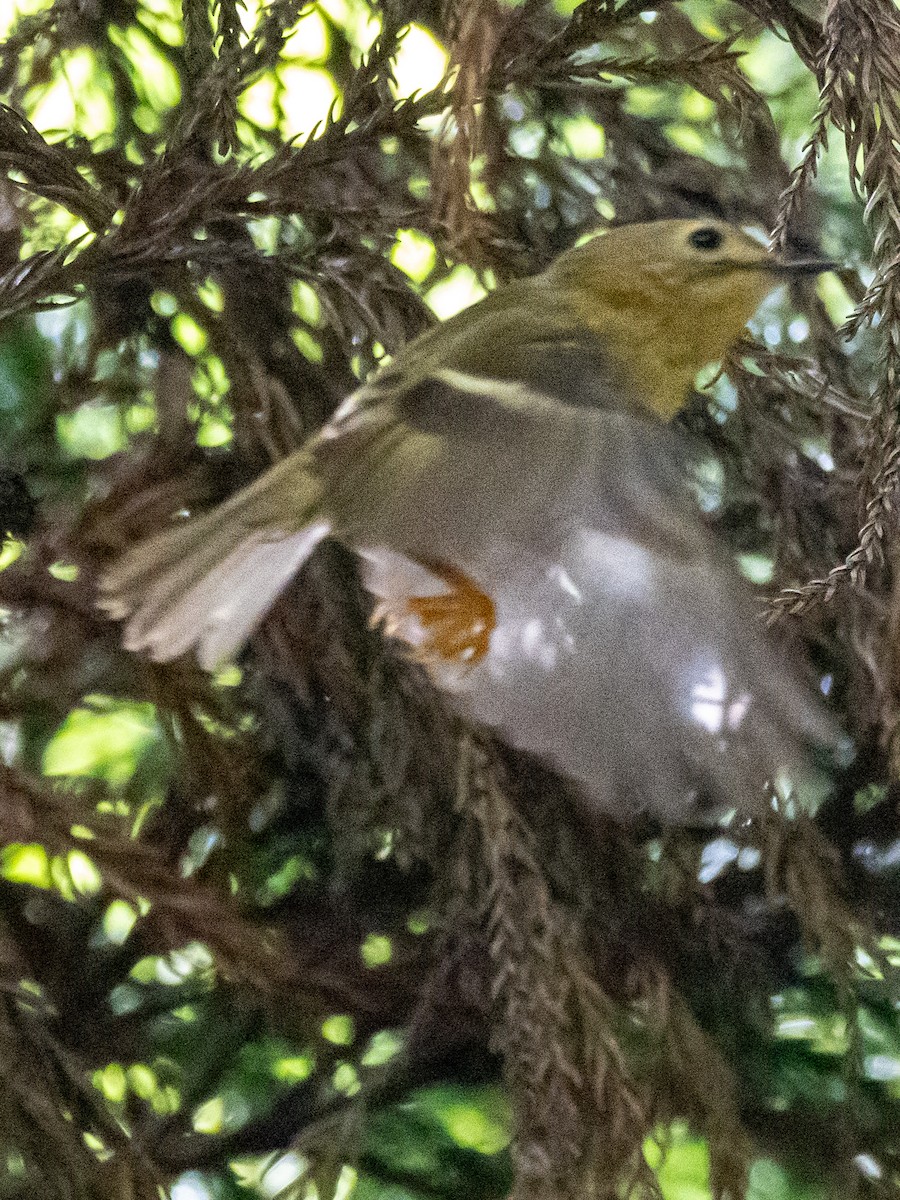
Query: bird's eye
(706, 238)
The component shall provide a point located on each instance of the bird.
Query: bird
(521, 508)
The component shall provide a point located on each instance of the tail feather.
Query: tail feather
(209, 582)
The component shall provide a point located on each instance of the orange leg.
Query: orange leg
(457, 624)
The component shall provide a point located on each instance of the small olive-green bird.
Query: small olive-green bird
(520, 505)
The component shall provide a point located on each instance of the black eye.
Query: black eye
(707, 238)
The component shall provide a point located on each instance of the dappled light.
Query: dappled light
(294, 929)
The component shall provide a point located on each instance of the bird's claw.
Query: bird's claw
(457, 624)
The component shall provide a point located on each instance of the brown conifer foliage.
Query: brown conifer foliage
(302, 866)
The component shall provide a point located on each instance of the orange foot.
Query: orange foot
(457, 624)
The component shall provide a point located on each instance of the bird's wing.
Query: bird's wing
(205, 583)
(449, 466)
(642, 675)
(626, 649)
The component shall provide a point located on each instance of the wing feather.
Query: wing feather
(627, 650)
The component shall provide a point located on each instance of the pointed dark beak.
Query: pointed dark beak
(802, 266)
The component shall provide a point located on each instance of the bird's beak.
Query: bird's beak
(801, 266)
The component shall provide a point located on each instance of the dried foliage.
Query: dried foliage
(859, 97)
(213, 271)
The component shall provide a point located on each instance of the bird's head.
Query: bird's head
(671, 296)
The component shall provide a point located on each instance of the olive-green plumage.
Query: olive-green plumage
(521, 447)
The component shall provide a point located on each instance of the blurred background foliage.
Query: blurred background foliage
(254, 941)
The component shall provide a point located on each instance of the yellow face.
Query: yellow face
(668, 297)
(690, 246)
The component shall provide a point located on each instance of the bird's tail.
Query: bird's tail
(208, 582)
